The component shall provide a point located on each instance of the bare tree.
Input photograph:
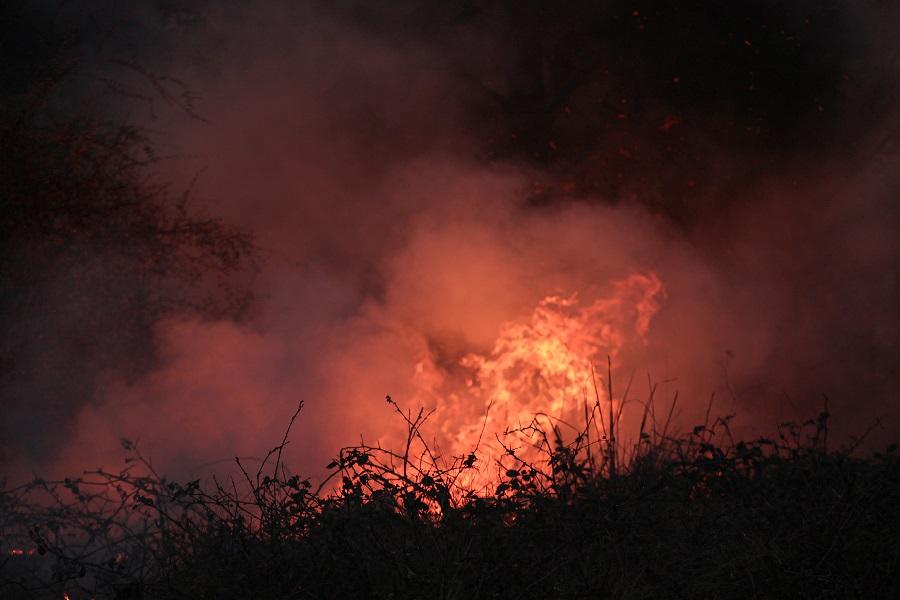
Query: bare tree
(94, 249)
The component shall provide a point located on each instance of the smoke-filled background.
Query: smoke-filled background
(414, 179)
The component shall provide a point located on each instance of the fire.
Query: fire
(544, 365)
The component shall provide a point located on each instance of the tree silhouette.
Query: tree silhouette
(94, 250)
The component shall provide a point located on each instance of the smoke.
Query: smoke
(417, 177)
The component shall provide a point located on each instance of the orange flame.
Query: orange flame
(544, 365)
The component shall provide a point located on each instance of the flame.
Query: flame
(544, 365)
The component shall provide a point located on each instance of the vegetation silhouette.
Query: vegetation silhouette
(94, 248)
(695, 515)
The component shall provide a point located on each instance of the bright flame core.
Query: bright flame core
(545, 365)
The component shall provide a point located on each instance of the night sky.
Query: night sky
(374, 191)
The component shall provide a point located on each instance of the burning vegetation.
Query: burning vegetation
(593, 250)
(687, 516)
(542, 366)
(547, 493)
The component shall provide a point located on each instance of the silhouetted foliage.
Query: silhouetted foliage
(93, 249)
(692, 516)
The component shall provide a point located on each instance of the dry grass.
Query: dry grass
(692, 516)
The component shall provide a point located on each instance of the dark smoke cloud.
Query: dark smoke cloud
(417, 174)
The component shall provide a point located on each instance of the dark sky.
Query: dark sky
(574, 88)
(385, 155)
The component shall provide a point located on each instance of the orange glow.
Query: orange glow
(670, 121)
(545, 365)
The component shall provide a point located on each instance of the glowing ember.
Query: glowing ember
(544, 365)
